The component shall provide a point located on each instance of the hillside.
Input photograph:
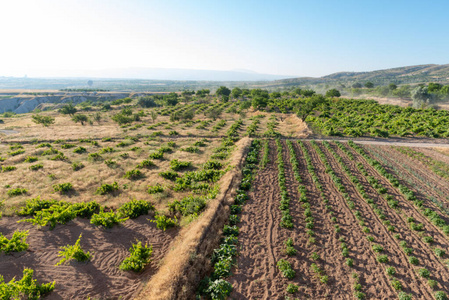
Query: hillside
(402, 75)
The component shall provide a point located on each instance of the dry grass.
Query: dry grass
(186, 261)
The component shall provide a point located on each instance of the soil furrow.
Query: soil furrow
(421, 249)
(382, 236)
(373, 279)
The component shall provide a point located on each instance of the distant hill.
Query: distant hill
(402, 75)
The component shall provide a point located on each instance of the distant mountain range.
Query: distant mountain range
(170, 74)
(167, 80)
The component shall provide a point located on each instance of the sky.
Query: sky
(282, 37)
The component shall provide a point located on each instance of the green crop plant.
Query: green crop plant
(74, 252)
(139, 257)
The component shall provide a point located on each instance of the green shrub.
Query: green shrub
(428, 239)
(349, 262)
(17, 243)
(16, 192)
(413, 260)
(79, 150)
(219, 289)
(94, 157)
(432, 283)
(145, 164)
(191, 149)
(170, 175)
(17, 152)
(30, 159)
(423, 272)
(382, 258)
(163, 222)
(155, 189)
(404, 296)
(63, 188)
(107, 188)
(133, 174)
(396, 284)
(138, 258)
(286, 269)
(359, 295)
(176, 164)
(77, 166)
(292, 288)
(440, 295)
(106, 219)
(36, 167)
(391, 271)
(25, 288)
(439, 252)
(134, 209)
(8, 168)
(156, 155)
(67, 146)
(73, 252)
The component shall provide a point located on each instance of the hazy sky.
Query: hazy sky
(303, 38)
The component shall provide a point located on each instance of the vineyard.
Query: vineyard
(340, 220)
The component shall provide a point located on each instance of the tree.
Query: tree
(153, 115)
(392, 86)
(171, 99)
(44, 120)
(259, 102)
(309, 105)
(369, 84)
(80, 119)
(357, 85)
(420, 96)
(307, 93)
(146, 101)
(202, 93)
(236, 92)
(97, 117)
(68, 109)
(213, 113)
(223, 91)
(434, 87)
(333, 93)
(275, 95)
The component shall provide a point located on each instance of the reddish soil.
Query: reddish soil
(100, 278)
(398, 218)
(425, 183)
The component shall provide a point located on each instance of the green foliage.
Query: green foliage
(189, 205)
(63, 188)
(134, 209)
(8, 168)
(155, 189)
(107, 219)
(396, 284)
(423, 272)
(145, 164)
(77, 166)
(30, 159)
(177, 165)
(44, 120)
(16, 192)
(219, 289)
(74, 252)
(36, 167)
(107, 188)
(17, 243)
(25, 288)
(163, 222)
(286, 269)
(391, 271)
(191, 149)
(139, 257)
(382, 258)
(292, 288)
(133, 174)
(17, 152)
(440, 295)
(170, 175)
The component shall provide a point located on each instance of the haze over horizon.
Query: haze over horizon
(52, 38)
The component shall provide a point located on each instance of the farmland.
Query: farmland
(168, 199)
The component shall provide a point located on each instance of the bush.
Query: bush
(413, 260)
(382, 258)
(176, 164)
(423, 272)
(17, 192)
(106, 219)
(8, 168)
(163, 222)
(155, 189)
(139, 257)
(133, 174)
(219, 289)
(396, 284)
(17, 243)
(36, 167)
(156, 155)
(30, 159)
(134, 209)
(63, 188)
(440, 295)
(77, 166)
(145, 164)
(17, 152)
(391, 271)
(25, 288)
(73, 252)
(94, 157)
(191, 149)
(107, 188)
(170, 175)
(292, 288)
(404, 296)
(286, 269)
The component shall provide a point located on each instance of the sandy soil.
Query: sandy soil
(100, 278)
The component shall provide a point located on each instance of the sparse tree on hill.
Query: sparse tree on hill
(333, 93)
(236, 92)
(68, 109)
(369, 85)
(44, 120)
(80, 119)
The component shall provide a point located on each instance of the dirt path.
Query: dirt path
(255, 276)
